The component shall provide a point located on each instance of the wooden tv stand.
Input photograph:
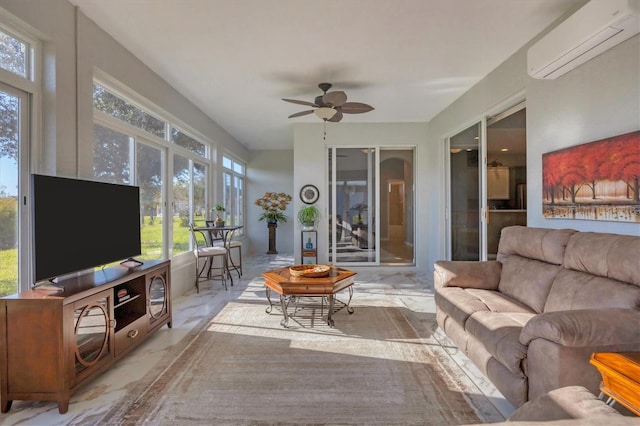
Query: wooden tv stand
(52, 341)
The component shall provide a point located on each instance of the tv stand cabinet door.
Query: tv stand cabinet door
(159, 297)
(91, 336)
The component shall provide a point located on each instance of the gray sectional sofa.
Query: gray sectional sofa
(531, 319)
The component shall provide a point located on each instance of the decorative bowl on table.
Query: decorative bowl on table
(309, 271)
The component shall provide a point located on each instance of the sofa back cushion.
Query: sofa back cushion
(547, 245)
(606, 255)
(531, 258)
(579, 290)
(600, 271)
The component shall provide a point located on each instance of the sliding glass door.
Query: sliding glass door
(371, 199)
(353, 205)
(487, 183)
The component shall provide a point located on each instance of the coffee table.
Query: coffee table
(290, 287)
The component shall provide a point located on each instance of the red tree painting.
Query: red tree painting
(599, 180)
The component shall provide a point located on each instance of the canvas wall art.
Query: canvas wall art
(598, 180)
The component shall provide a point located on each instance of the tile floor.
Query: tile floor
(398, 286)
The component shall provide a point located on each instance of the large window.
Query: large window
(16, 87)
(233, 187)
(131, 146)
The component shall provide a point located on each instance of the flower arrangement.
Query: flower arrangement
(273, 204)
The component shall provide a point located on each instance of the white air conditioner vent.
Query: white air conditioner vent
(596, 27)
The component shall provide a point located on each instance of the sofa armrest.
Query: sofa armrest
(468, 274)
(585, 327)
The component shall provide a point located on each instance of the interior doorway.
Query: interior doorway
(395, 210)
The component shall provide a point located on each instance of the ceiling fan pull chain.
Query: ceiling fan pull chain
(325, 131)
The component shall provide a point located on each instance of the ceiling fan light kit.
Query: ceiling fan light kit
(331, 105)
(325, 113)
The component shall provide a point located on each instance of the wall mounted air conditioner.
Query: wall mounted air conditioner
(595, 27)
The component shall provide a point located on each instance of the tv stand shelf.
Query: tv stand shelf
(53, 341)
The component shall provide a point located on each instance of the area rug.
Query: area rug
(376, 366)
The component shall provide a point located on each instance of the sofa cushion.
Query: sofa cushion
(605, 255)
(579, 290)
(457, 303)
(547, 245)
(460, 303)
(527, 280)
(499, 332)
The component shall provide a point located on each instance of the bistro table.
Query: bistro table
(225, 235)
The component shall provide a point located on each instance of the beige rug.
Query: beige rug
(379, 365)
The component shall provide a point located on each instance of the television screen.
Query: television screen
(81, 224)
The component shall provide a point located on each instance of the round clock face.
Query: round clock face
(309, 194)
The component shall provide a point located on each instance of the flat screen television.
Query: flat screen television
(80, 224)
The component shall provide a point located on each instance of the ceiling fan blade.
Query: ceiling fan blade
(295, 101)
(334, 99)
(355, 108)
(336, 117)
(301, 113)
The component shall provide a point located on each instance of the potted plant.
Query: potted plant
(308, 216)
(219, 222)
(273, 216)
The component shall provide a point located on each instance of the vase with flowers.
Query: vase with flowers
(273, 205)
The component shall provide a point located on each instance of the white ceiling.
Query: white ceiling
(236, 59)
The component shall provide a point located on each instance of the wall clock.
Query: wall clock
(309, 194)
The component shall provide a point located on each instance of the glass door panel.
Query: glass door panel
(13, 168)
(465, 201)
(506, 173)
(149, 162)
(353, 235)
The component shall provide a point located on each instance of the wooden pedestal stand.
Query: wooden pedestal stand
(272, 238)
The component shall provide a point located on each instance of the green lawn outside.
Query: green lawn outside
(151, 237)
(8, 271)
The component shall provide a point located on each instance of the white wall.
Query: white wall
(269, 171)
(310, 161)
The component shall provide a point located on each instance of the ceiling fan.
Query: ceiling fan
(330, 106)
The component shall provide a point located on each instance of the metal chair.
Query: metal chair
(202, 249)
(233, 247)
